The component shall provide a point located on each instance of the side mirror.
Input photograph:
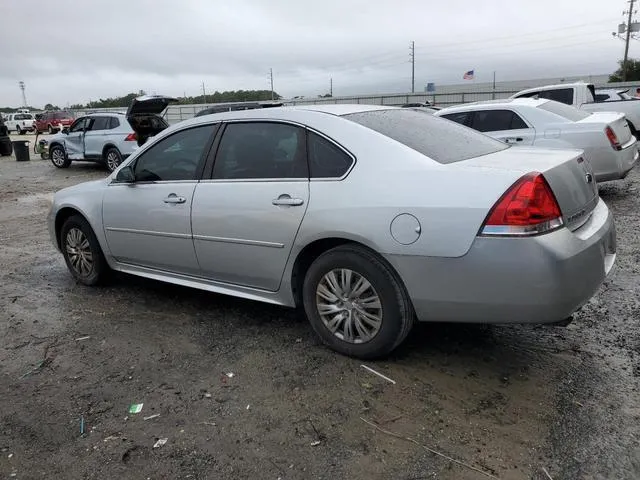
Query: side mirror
(125, 175)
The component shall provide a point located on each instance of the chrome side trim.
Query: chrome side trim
(241, 241)
(149, 232)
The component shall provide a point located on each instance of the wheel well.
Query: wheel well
(312, 251)
(62, 217)
(107, 147)
(56, 144)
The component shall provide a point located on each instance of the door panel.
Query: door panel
(74, 140)
(144, 226)
(95, 137)
(524, 136)
(246, 219)
(240, 236)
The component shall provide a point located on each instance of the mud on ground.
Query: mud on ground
(510, 401)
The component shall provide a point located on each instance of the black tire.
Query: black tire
(397, 315)
(99, 268)
(22, 132)
(59, 157)
(18, 131)
(50, 129)
(6, 148)
(112, 158)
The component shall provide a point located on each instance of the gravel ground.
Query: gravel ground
(509, 401)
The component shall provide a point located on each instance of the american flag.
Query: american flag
(468, 75)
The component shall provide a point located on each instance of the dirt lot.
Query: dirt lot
(509, 401)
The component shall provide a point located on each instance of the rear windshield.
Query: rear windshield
(565, 111)
(439, 139)
(22, 116)
(62, 115)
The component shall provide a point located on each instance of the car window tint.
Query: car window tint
(261, 150)
(100, 123)
(114, 122)
(496, 120)
(459, 117)
(563, 95)
(602, 97)
(326, 159)
(174, 158)
(517, 122)
(442, 141)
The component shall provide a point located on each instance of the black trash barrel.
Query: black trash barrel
(21, 150)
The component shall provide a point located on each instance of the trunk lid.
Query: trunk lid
(568, 174)
(144, 115)
(617, 122)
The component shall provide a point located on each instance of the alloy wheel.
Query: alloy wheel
(349, 306)
(79, 252)
(112, 161)
(57, 157)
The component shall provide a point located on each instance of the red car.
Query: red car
(53, 121)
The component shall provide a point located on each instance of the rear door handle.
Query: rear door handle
(513, 139)
(286, 200)
(173, 198)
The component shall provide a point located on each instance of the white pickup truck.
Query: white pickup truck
(583, 96)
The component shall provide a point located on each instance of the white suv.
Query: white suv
(20, 123)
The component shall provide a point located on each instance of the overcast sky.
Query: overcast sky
(71, 51)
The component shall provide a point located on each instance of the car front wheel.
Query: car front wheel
(82, 252)
(59, 157)
(356, 304)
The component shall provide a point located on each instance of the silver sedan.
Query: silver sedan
(369, 217)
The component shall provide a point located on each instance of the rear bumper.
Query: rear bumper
(541, 279)
(622, 162)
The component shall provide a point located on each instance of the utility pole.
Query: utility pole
(412, 55)
(271, 81)
(331, 86)
(204, 93)
(626, 46)
(24, 95)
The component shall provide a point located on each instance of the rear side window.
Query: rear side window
(113, 123)
(565, 111)
(602, 97)
(260, 150)
(562, 95)
(100, 123)
(326, 160)
(445, 142)
(459, 117)
(496, 120)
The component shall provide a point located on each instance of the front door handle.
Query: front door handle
(286, 200)
(173, 198)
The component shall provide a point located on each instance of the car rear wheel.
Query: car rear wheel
(50, 130)
(113, 159)
(356, 304)
(82, 252)
(59, 157)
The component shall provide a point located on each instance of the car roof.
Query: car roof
(496, 104)
(281, 112)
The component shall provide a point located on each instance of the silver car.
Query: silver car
(369, 217)
(99, 137)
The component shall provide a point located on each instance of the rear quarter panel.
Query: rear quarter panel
(449, 201)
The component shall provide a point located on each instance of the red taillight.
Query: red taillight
(529, 207)
(132, 137)
(613, 139)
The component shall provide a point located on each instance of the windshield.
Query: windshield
(62, 115)
(565, 111)
(23, 116)
(439, 139)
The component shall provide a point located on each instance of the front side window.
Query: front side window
(80, 125)
(496, 121)
(176, 157)
(326, 160)
(257, 150)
